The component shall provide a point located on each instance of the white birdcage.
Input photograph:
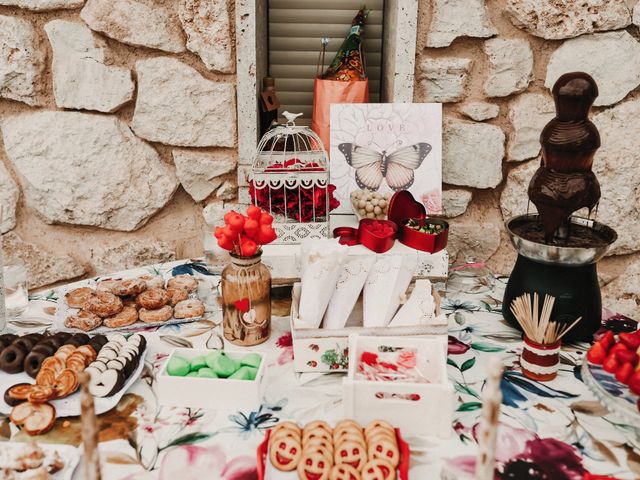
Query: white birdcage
(290, 179)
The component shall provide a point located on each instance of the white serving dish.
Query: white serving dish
(417, 409)
(70, 406)
(211, 393)
(314, 347)
(63, 310)
(68, 453)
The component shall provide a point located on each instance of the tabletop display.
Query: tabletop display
(558, 427)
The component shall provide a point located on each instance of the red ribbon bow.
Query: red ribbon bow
(376, 235)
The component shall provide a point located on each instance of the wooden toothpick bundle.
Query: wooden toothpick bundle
(537, 325)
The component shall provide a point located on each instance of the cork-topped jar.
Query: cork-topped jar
(246, 300)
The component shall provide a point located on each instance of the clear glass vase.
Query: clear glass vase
(246, 300)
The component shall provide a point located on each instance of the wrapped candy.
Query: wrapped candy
(396, 365)
(321, 264)
(387, 282)
(355, 271)
(420, 309)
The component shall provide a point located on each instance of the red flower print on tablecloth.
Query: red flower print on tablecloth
(285, 342)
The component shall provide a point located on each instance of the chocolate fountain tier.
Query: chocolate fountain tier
(589, 241)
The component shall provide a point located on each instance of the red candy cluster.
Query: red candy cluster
(298, 203)
(381, 229)
(619, 357)
(244, 235)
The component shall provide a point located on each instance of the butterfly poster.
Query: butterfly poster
(387, 147)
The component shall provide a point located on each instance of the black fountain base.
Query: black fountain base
(575, 288)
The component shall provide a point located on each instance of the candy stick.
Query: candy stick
(488, 428)
(89, 430)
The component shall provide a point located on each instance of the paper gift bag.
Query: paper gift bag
(327, 92)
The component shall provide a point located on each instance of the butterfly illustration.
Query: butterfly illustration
(396, 168)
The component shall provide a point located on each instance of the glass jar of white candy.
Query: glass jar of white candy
(368, 204)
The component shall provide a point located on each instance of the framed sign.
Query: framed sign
(387, 147)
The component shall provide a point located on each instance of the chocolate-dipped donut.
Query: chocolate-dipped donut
(6, 339)
(78, 339)
(45, 348)
(33, 362)
(12, 358)
(26, 342)
(62, 335)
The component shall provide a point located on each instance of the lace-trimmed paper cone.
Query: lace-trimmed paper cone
(355, 271)
(420, 309)
(388, 280)
(321, 264)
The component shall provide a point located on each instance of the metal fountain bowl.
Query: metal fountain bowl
(558, 255)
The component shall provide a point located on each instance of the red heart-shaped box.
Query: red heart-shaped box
(402, 208)
(377, 235)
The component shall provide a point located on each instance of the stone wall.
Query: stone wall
(492, 64)
(118, 124)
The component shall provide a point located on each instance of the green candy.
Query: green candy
(244, 373)
(221, 364)
(251, 360)
(206, 372)
(192, 374)
(178, 367)
(197, 363)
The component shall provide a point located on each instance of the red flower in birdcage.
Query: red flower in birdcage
(298, 203)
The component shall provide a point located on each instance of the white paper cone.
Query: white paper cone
(389, 278)
(419, 309)
(355, 271)
(321, 266)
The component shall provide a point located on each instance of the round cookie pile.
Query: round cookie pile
(367, 204)
(120, 303)
(345, 452)
(216, 364)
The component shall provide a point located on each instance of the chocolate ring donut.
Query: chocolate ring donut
(12, 358)
(26, 342)
(45, 348)
(100, 339)
(7, 339)
(33, 362)
(62, 336)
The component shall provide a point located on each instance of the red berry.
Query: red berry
(627, 356)
(618, 347)
(225, 242)
(634, 383)
(624, 372)
(610, 363)
(596, 353)
(254, 212)
(631, 340)
(607, 339)
(251, 228)
(266, 219)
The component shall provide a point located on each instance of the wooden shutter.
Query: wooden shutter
(295, 30)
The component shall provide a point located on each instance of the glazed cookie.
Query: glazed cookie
(177, 294)
(34, 418)
(107, 285)
(158, 315)
(287, 425)
(152, 299)
(317, 433)
(124, 318)
(189, 309)
(84, 320)
(284, 433)
(378, 424)
(103, 304)
(77, 297)
(378, 469)
(132, 286)
(152, 281)
(185, 281)
(317, 424)
(285, 454)
(344, 472)
(313, 466)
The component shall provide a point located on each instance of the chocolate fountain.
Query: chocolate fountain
(558, 251)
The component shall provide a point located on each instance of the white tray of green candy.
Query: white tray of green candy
(217, 379)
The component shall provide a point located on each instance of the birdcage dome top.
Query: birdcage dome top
(290, 147)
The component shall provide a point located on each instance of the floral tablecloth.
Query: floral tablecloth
(555, 430)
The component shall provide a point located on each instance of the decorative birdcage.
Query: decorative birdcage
(290, 179)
